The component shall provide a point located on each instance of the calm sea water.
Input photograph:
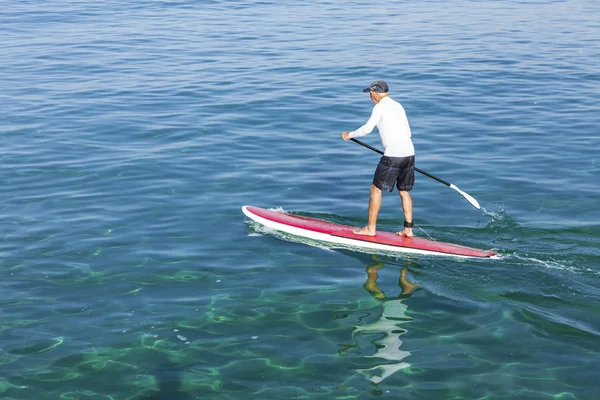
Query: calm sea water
(133, 133)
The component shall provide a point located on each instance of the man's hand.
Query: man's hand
(346, 136)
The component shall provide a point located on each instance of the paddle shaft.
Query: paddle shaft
(467, 196)
(416, 169)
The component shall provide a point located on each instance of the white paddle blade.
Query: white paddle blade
(467, 196)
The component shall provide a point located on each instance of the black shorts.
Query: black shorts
(398, 171)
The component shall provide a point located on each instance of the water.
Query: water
(134, 132)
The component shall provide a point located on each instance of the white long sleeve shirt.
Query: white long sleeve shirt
(390, 118)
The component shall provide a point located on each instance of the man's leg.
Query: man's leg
(374, 206)
(407, 208)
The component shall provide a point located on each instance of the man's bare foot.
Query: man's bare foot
(406, 232)
(364, 231)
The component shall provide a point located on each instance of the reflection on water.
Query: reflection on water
(391, 323)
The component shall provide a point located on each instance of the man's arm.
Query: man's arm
(369, 126)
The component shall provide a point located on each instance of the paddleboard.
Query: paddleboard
(337, 234)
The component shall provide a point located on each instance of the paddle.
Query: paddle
(468, 197)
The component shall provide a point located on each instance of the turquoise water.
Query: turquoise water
(134, 132)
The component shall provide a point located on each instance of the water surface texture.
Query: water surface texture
(133, 133)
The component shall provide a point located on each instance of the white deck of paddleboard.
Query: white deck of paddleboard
(324, 237)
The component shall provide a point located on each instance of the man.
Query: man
(397, 166)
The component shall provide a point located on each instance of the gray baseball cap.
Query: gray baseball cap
(378, 87)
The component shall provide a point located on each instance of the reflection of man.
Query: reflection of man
(388, 324)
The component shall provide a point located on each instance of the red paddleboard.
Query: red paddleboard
(337, 234)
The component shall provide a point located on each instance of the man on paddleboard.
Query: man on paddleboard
(397, 166)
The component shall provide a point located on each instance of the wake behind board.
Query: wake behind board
(331, 233)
